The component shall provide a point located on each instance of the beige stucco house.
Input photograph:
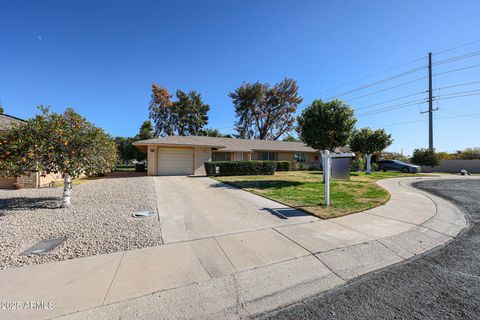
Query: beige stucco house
(34, 180)
(179, 155)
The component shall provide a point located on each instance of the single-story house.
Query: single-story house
(185, 155)
(34, 180)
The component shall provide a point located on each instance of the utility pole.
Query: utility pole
(430, 103)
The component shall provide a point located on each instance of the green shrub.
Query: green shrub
(425, 157)
(284, 165)
(240, 168)
(357, 165)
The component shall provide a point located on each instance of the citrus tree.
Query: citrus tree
(56, 143)
(368, 141)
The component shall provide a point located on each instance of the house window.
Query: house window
(299, 157)
(221, 156)
(268, 156)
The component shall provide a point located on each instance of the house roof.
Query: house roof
(7, 121)
(228, 144)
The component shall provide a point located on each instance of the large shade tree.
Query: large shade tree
(367, 142)
(265, 112)
(51, 142)
(186, 116)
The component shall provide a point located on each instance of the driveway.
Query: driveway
(199, 207)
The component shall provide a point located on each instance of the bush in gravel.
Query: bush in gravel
(240, 168)
(284, 165)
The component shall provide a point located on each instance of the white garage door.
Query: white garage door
(172, 161)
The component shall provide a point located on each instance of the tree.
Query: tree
(425, 157)
(126, 149)
(265, 112)
(326, 125)
(1, 109)
(291, 139)
(368, 141)
(184, 117)
(211, 132)
(56, 143)
(146, 131)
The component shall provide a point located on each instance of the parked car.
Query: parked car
(397, 165)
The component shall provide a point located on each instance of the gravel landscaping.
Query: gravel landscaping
(99, 220)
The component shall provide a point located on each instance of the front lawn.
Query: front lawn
(304, 190)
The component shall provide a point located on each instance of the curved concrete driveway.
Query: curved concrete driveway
(232, 274)
(199, 207)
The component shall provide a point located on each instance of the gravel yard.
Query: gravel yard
(99, 220)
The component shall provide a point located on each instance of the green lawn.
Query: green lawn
(304, 190)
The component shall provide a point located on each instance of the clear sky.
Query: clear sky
(101, 57)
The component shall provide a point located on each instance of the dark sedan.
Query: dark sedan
(397, 165)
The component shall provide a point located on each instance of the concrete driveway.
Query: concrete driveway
(199, 207)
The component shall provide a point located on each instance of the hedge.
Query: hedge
(284, 165)
(240, 168)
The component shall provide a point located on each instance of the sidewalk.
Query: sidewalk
(240, 274)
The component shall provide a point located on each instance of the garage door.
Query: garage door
(172, 161)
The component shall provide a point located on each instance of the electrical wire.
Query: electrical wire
(402, 74)
(457, 58)
(457, 85)
(391, 100)
(386, 89)
(457, 47)
(376, 73)
(394, 107)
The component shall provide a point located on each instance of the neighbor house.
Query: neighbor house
(180, 155)
(34, 180)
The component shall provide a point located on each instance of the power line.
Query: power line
(457, 85)
(421, 101)
(461, 57)
(375, 74)
(459, 69)
(456, 93)
(457, 47)
(394, 107)
(412, 81)
(452, 59)
(461, 96)
(391, 100)
(386, 89)
(424, 120)
(377, 82)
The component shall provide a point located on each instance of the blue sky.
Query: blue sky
(101, 57)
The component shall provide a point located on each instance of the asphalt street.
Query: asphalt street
(443, 284)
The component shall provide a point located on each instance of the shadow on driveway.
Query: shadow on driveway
(257, 184)
(285, 213)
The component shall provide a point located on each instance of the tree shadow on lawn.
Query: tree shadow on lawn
(24, 203)
(256, 184)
